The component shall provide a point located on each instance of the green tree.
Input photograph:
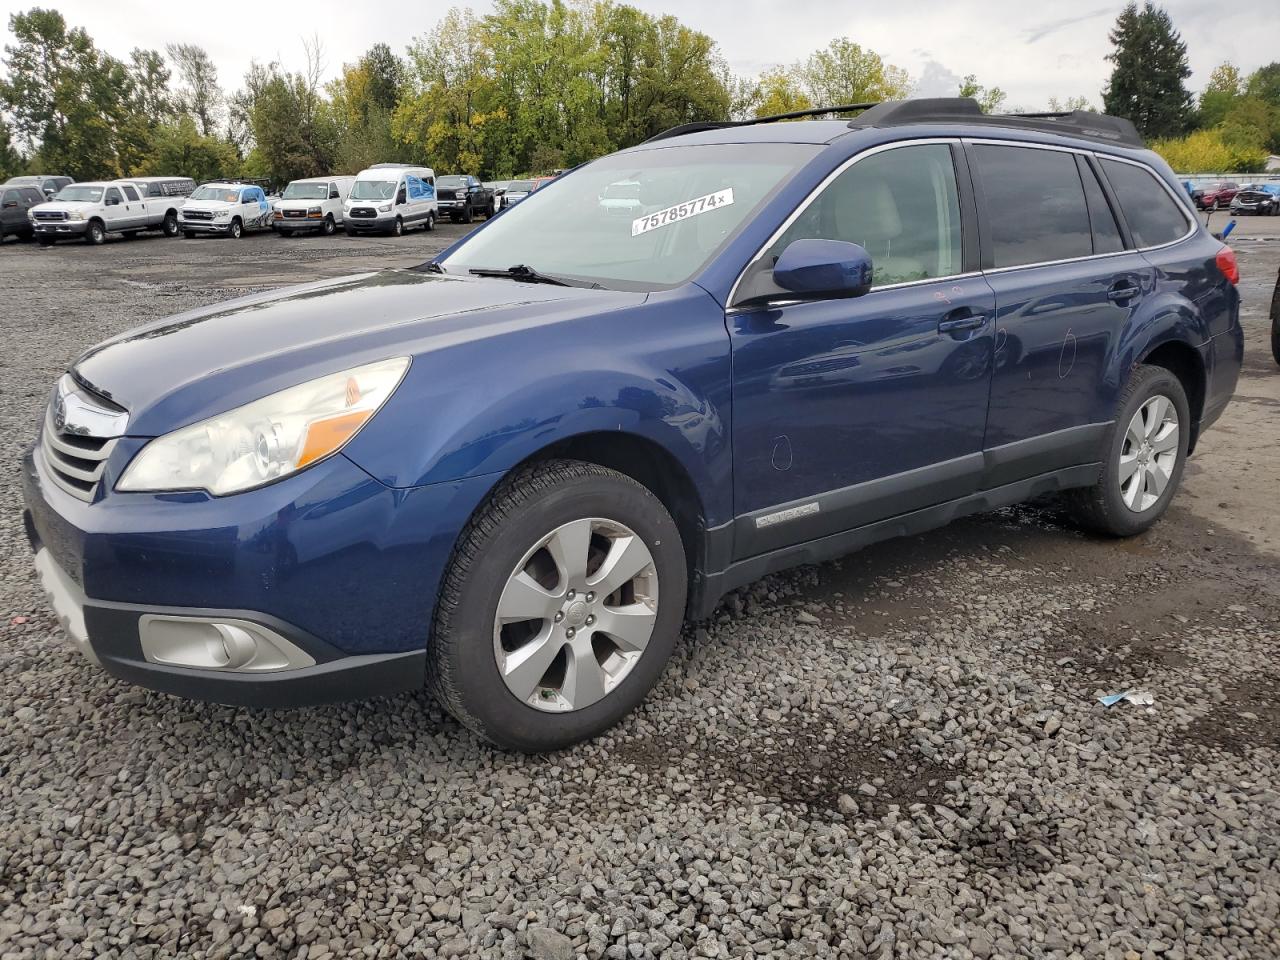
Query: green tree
(1224, 88)
(11, 161)
(780, 91)
(989, 99)
(1264, 83)
(1148, 80)
(200, 96)
(179, 149)
(1069, 104)
(843, 72)
(294, 131)
(1205, 151)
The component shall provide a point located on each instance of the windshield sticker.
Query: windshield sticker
(682, 211)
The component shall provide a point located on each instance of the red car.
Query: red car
(1216, 195)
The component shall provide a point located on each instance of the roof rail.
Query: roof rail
(700, 125)
(1083, 124)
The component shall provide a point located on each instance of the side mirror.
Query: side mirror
(113, 201)
(824, 267)
(334, 195)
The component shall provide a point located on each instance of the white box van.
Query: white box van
(312, 204)
(391, 198)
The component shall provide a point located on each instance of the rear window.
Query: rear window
(1153, 215)
(1035, 204)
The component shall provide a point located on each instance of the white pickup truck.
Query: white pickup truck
(91, 211)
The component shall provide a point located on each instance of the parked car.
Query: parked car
(516, 191)
(499, 187)
(622, 198)
(229, 209)
(391, 198)
(47, 184)
(511, 473)
(92, 211)
(1257, 198)
(15, 207)
(464, 198)
(312, 204)
(1216, 195)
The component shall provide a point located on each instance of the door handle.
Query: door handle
(962, 323)
(1123, 291)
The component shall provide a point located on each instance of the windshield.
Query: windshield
(80, 194)
(689, 201)
(221, 194)
(451, 182)
(520, 186)
(306, 191)
(373, 190)
(622, 191)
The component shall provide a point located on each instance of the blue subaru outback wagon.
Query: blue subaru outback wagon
(511, 474)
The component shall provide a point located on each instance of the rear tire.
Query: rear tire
(567, 522)
(1153, 420)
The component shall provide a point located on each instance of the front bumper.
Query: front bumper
(205, 226)
(60, 228)
(332, 563)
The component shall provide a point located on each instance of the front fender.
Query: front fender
(658, 370)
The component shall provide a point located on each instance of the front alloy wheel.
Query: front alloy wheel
(550, 624)
(576, 615)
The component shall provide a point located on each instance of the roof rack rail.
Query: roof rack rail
(700, 125)
(1083, 124)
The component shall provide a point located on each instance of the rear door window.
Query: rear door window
(1153, 215)
(1036, 209)
(1106, 232)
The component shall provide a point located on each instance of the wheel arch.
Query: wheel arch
(1184, 362)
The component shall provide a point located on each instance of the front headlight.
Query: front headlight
(221, 214)
(75, 215)
(268, 438)
(385, 208)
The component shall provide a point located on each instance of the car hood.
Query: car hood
(206, 361)
(63, 206)
(208, 206)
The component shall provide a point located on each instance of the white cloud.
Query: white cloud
(1030, 51)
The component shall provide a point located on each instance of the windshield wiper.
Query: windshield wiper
(520, 272)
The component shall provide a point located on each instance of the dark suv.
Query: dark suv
(513, 472)
(15, 206)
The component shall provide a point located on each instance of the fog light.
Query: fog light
(218, 644)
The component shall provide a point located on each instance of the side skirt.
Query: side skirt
(708, 591)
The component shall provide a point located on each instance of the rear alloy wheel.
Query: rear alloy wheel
(1144, 457)
(560, 609)
(96, 234)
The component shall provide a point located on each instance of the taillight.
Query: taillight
(1226, 260)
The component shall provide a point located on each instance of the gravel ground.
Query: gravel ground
(896, 755)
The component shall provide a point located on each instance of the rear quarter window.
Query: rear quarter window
(1153, 215)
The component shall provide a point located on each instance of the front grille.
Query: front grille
(75, 462)
(295, 214)
(446, 195)
(367, 213)
(197, 215)
(49, 215)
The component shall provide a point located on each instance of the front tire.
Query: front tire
(236, 230)
(1143, 459)
(561, 606)
(431, 223)
(397, 229)
(170, 225)
(96, 234)
(328, 228)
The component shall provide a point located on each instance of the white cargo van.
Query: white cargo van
(391, 198)
(312, 204)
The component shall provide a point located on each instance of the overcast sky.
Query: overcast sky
(1033, 50)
